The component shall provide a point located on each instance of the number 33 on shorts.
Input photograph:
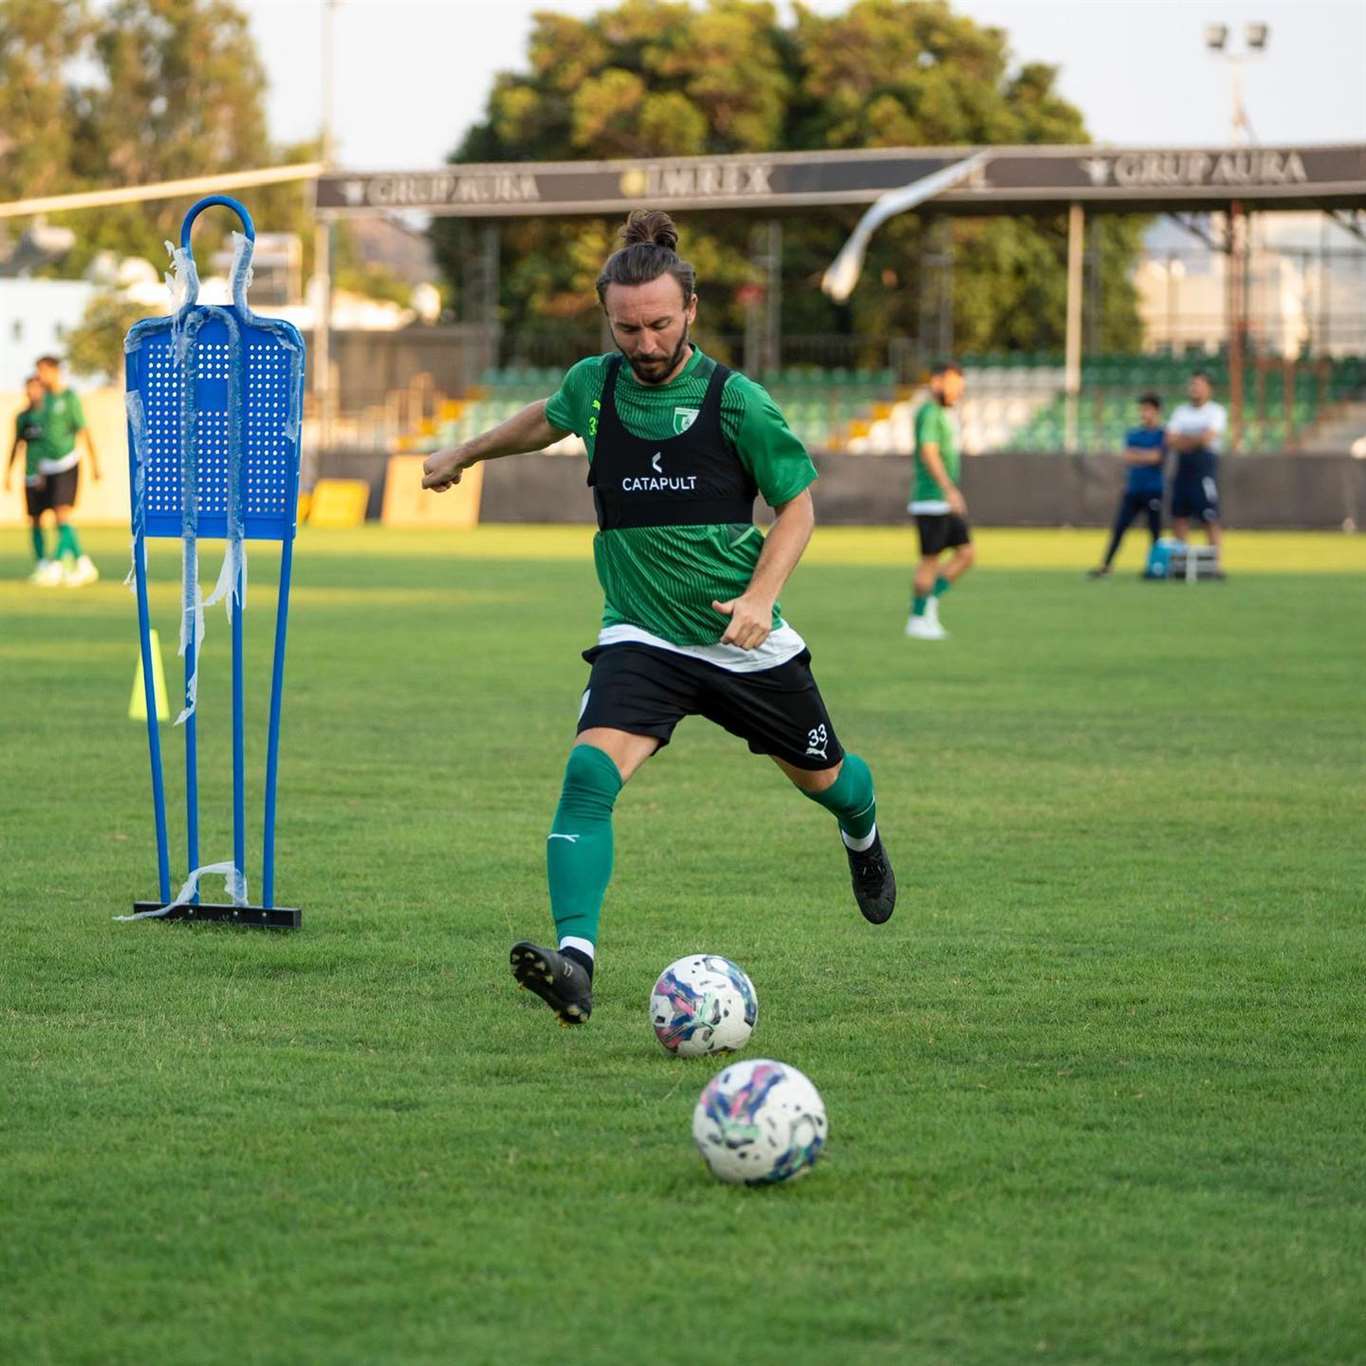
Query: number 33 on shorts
(817, 739)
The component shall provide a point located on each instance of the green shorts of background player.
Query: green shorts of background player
(678, 449)
(937, 504)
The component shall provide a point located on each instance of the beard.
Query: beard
(654, 371)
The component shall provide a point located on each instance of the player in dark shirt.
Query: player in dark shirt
(28, 441)
(1144, 451)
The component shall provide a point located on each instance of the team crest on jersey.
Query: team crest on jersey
(684, 418)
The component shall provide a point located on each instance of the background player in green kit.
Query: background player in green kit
(678, 448)
(63, 420)
(941, 515)
(28, 436)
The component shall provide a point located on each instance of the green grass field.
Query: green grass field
(1096, 1093)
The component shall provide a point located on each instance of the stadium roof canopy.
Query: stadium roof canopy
(1008, 179)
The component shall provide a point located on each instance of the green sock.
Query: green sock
(578, 853)
(850, 798)
(39, 549)
(66, 542)
(918, 604)
(942, 586)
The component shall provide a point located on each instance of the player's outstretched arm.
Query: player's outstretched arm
(751, 614)
(522, 432)
(90, 451)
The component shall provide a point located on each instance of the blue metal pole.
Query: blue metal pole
(239, 753)
(191, 758)
(277, 680)
(153, 731)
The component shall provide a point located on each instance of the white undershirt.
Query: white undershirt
(61, 464)
(782, 644)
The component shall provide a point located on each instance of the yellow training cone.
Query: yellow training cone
(137, 707)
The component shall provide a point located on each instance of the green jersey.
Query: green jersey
(661, 580)
(62, 418)
(28, 428)
(933, 427)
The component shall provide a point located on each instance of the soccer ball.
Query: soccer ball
(759, 1122)
(703, 1004)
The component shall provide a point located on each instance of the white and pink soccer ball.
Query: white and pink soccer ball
(703, 1004)
(759, 1122)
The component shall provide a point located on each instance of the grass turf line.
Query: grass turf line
(1095, 1092)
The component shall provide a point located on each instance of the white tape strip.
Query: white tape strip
(234, 562)
(236, 883)
(191, 617)
(137, 424)
(183, 277)
(231, 585)
(240, 275)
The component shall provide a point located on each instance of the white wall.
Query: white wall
(36, 316)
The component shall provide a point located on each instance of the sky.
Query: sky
(412, 75)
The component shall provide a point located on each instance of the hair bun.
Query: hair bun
(652, 226)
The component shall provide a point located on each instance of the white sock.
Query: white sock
(858, 846)
(572, 941)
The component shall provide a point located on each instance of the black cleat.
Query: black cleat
(874, 881)
(1102, 571)
(560, 982)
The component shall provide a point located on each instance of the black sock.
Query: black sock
(584, 960)
(1116, 536)
(1128, 509)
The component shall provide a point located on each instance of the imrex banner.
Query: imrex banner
(1010, 178)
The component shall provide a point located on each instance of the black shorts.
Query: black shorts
(647, 691)
(1133, 502)
(941, 531)
(38, 498)
(62, 487)
(1196, 497)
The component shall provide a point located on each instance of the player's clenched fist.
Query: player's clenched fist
(751, 621)
(443, 469)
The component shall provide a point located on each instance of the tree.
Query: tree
(662, 77)
(180, 95)
(95, 346)
(39, 42)
(130, 93)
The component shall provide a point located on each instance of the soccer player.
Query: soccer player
(678, 447)
(1144, 453)
(941, 515)
(28, 435)
(59, 463)
(1195, 431)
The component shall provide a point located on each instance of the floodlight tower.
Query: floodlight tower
(1255, 38)
(322, 255)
